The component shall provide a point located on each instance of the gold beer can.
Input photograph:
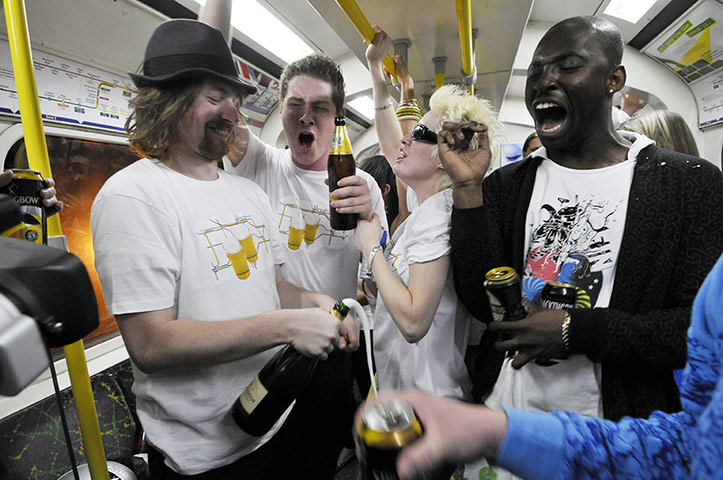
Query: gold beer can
(25, 188)
(384, 429)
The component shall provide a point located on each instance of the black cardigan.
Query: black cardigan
(673, 236)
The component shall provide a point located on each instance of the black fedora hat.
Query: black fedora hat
(182, 49)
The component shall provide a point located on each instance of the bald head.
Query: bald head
(603, 32)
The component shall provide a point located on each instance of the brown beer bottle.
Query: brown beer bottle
(279, 382)
(341, 164)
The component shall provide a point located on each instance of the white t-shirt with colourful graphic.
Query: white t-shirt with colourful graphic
(574, 228)
(158, 237)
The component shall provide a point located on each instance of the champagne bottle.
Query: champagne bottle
(278, 383)
(340, 164)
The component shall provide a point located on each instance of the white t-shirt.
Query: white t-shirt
(435, 364)
(158, 239)
(574, 229)
(329, 264)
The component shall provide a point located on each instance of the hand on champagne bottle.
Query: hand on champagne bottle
(352, 196)
(318, 333)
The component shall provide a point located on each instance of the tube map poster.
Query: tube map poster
(693, 48)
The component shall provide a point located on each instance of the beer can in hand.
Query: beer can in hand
(25, 188)
(559, 296)
(504, 291)
(384, 429)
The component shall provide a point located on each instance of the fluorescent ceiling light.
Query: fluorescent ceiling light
(363, 105)
(257, 23)
(629, 10)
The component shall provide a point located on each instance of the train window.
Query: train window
(80, 167)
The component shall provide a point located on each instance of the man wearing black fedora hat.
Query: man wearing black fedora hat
(192, 272)
(312, 94)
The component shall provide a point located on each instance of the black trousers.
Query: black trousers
(323, 416)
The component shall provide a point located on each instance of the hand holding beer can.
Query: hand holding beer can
(25, 188)
(384, 429)
(557, 296)
(504, 291)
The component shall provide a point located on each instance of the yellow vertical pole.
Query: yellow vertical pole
(37, 150)
(438, 80)
(361, 23)
(464, 25)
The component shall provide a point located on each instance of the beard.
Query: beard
(213, 148)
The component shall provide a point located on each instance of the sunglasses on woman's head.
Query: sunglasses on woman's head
(421, 133)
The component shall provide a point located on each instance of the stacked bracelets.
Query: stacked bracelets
(409, 110)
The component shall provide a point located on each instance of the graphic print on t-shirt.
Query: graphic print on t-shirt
(234, 248)
(571, 245)
(303, 225)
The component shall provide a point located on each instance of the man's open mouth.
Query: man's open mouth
(306, 139)
(550, 117)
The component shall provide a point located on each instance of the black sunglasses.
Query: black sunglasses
(421, 133)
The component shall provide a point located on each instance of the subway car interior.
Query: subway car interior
(82, 53)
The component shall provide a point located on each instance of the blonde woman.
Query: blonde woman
(667, 128)
(421, 331)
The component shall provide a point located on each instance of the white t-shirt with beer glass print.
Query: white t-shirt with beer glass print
(574, 229)
(159, 243)
(434, 364)
(326, 260)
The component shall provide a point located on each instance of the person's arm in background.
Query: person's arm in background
(408, 115)
(389, 132)
(217, 13)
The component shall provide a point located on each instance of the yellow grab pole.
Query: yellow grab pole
(361, 23)
(37, 150)
(85, 406)
(438, 80)
(464, 24)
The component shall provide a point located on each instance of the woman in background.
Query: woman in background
(666, 128)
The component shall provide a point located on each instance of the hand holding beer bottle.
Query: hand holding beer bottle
(349, 194)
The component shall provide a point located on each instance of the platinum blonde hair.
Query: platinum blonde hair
(454, 103)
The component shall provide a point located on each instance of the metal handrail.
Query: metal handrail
(464, 24)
